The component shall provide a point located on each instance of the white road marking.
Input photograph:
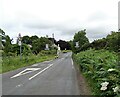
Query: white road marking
(72, 64)
(47, 61)
(19, 85)
(40, 72)
(26, 71)
(35, 64)
(62, 58)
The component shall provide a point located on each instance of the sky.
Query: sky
(64, 18)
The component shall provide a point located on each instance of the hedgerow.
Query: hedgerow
(102, 70)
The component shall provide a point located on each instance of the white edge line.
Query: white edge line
(40, 72)
(72, 63)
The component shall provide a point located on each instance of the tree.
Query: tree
(99, 44)
(64, 45)
(32, 38)
(2, 39)
(15, 49)
(7, 45)
(53, 40)
(2, 32)
(81, 39)
(113, 41)
(39, 44)
(26, 50)
(26, 40)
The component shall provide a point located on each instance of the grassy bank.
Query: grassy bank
(66, 51)
(102, 71)
(12, 63)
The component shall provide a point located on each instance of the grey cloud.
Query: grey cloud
(8, 25)
(67, 31)
(39, 25)
(63, 29)
(98, 32)
(98, 16)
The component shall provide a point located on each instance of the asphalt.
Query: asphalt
(55, 77)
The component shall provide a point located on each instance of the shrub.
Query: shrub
(100, 67)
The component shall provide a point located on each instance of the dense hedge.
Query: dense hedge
(102, 70)
(111, 43)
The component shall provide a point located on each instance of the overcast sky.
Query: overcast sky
(62, 17)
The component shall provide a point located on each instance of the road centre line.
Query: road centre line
(40, 72)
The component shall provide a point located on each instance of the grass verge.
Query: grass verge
(82, 82)
(12, 63)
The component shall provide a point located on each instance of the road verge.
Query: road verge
(83, 85)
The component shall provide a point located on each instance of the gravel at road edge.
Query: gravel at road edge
(83, 85)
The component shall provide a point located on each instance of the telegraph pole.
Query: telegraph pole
(20, 44)
(118, 16)
(53, 38)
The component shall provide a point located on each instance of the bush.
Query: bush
(111, 43)
(101, 68)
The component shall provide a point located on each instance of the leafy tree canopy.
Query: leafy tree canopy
(81, 39)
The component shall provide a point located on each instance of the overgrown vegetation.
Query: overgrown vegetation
(99, 62)
(32, 51)
(111, 43)
(102, 70)
(13, 62)
(80, 39)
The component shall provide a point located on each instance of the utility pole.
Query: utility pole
(118, 16)
(53, 38)
(20, 44)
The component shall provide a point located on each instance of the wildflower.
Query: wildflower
(111, 69)
(116, 89)
(104, 84)
(103, 88)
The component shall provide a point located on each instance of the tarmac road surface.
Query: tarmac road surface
(55, 77)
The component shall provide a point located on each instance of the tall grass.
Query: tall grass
(12, 63)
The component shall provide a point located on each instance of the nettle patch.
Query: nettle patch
(102, 69)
